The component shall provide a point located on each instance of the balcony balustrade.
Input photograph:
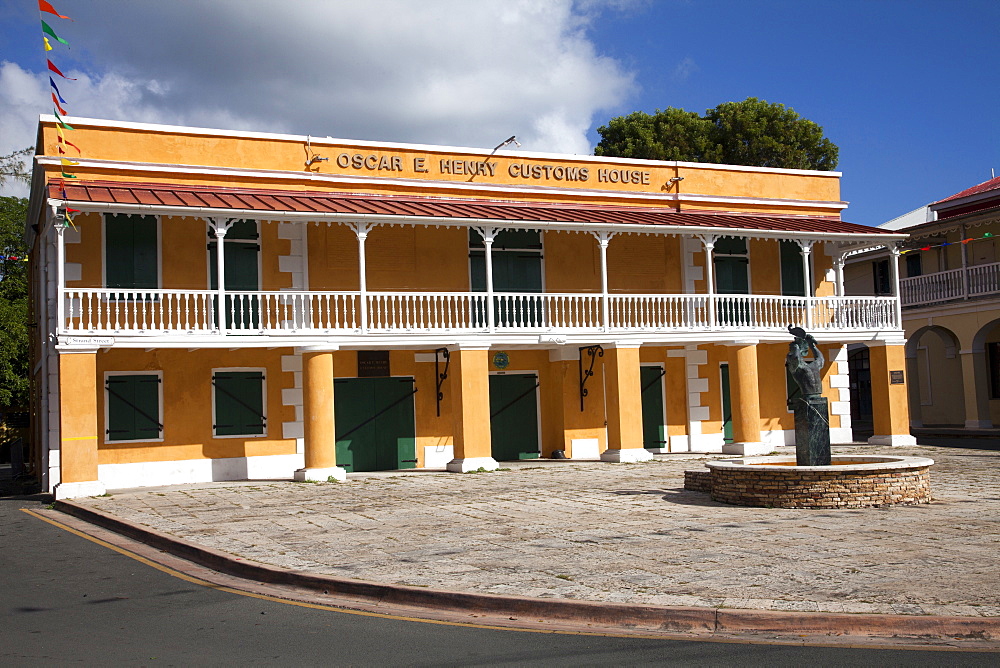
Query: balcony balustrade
(197, 312)
(977, 281)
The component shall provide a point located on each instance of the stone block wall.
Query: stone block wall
(698, 481)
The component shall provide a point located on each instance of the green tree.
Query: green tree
(13, 285)
(752, 132)
(13, 166)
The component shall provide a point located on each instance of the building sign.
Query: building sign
(373, 363)
(387, 164)
(895, 377)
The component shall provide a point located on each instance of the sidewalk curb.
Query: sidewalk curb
(616, 615)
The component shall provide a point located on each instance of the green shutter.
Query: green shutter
(792, 279)
(130, 251)
(239, 403)
(133, 407)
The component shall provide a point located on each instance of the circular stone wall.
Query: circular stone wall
(849, 482)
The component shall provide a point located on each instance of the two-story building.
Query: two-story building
(216, 305)
(950, 295)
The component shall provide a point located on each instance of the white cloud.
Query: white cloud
(684, 69)
(437, 71)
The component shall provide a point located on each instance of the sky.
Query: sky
(906, 88)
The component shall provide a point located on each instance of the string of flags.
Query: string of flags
(986, 235)
(58, 102)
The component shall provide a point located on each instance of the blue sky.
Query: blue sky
(906, 88)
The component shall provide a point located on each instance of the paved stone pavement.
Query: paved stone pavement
(610, 532)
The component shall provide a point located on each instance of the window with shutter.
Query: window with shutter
(133, 407)
(239, 403)
(130, 252)
(792, 279)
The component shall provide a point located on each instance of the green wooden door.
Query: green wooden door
(374, 425)
(792, 277)
(514, 416)
(727, 406)
(732, 278)
(242, 273)
(653, 428)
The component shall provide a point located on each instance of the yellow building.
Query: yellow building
(237, 305)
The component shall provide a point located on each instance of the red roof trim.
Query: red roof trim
(437, 207)
(985, 186)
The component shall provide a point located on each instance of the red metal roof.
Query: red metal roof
(985, 186)
(246, 199)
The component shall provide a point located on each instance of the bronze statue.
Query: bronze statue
(812, 422)
(808, 375)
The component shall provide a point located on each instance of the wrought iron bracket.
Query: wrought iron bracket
(593, 352)
(441, 376)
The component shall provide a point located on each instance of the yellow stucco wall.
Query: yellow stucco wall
(187, 404)
(420, 164)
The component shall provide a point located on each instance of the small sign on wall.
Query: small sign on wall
(373, 363)
(896, 378)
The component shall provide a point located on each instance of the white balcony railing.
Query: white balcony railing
(979, 280)
(123, 312)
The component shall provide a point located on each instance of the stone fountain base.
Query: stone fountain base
(849, 482)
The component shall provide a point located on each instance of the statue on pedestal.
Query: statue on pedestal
(812, 421)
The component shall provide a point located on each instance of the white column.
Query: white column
(965, 265)
(60, 229)
(361, 230)
(603, 239)
(838, 268)
(709, 243)
(489, 234)
(894, 269)
(805, 247)
(220, 230)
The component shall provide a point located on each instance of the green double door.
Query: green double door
(517, 267)
(654, 431)
(514, 416)
(373, 421)
(732, 277)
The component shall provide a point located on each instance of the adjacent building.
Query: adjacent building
(950, 294)
(218, 305)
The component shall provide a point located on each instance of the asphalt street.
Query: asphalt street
(69, 600)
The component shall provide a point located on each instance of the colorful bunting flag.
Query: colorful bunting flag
(55, 69)
(46, 7)
(56, 102)
(56, 89)
(47, 29)
(62, 122)
(48, 47)
(986, 235)
(63, 140)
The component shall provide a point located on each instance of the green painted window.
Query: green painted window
(133, 403)
(239, 403)
(130, 251)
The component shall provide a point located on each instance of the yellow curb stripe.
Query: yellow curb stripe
(383, 615)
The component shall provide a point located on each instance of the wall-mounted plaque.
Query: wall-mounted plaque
(896, 378)
(373, 363)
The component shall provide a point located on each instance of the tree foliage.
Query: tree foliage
(13, 166)
(752, 132)
(13, 303)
